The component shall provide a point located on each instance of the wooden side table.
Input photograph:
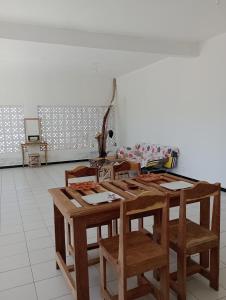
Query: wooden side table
(42, 145)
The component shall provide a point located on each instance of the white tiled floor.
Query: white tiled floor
(27, 266)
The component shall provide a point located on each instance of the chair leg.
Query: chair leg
(115, 226)
(68, 230)
(140, 279)
(110, 230)
(140, 223)
(122, 288)
(156, 238)
(69, 233)
(103, 279)
(214, 268)
(181, 275)
(164, 283)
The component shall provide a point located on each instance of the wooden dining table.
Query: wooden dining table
(69, 206)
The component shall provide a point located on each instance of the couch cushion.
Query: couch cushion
(146, 152)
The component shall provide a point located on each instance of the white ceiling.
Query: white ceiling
(172, 19)
(110, 37)
(94, 61)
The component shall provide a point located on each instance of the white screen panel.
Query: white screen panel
(11, 128)
(73, 127)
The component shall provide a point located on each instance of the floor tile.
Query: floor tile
(37, 233)
(67, 297)
(223, 255)
(223, 239)
(199, 288)
(14, 262)
(8, 229)
(14, 249)
(10, 239)
(223, 277)
(15, 278)
(39, 243)
(95, 293)
(32, 218)
(39, 256)
(25, 292)
(45, 270)
(51, 288)
(29, 225)
(173, 296)
(94, 278)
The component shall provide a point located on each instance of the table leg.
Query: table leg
(22, 148)
(46, 155)
(81, 259)
(205, 222)
(59, 234)
(157, 223)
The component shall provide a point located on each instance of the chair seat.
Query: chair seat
(197, 237)
(143, 253)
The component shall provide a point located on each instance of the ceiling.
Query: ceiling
(111, 37)
(172, 19)
(94, 61)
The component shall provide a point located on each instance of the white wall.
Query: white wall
(181, 102)
(32, 84)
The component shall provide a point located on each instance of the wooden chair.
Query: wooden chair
(134, 253)
(124, 168)
(81, 171)
(188, 238)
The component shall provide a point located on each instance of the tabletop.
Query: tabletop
(126, 188)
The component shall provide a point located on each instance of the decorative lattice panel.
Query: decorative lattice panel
(11, 128)
(73, 127)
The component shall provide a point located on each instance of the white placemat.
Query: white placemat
(101, 198)
(176, 185)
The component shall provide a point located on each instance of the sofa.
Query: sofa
(150, 155)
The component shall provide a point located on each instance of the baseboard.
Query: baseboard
(66, 161)
(49, 163)
(189, 178)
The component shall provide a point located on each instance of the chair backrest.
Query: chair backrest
(126, 166)
(200, 192)
(81, 171)
(146, 203)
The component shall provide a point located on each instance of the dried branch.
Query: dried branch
(102, 137)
